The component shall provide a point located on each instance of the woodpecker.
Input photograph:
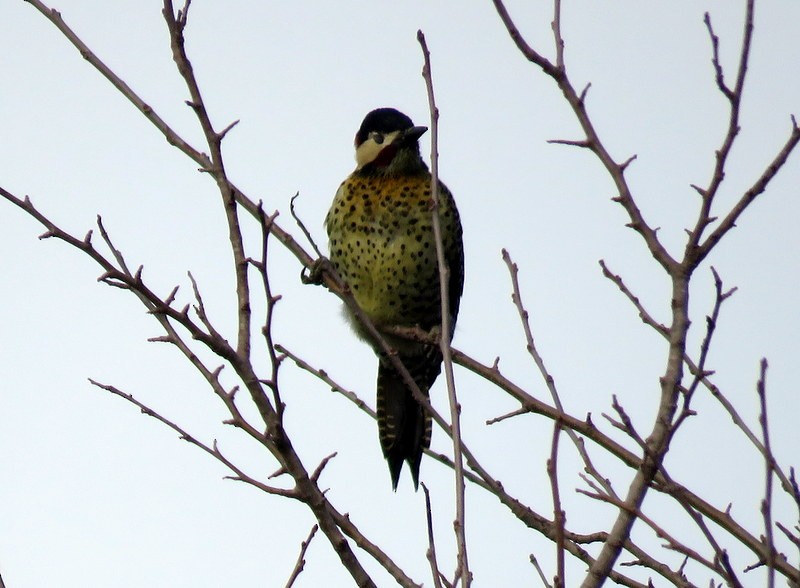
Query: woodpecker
(382, 245)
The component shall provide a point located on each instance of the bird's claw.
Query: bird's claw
(316, 273)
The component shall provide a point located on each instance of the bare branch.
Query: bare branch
(711, 324)
(436, 575)
(646, 317)
(696, 251)
(539, 571)
(582, 143)
(446, 330)
(720, 77)
(512, 414)
(526, 50)
(266, 224)
(212, 451)
(516, 297)
(301, 562)
(592, 140)
(172, 137)
(769, 460)
(302, 225)
(224, 131)
(323, 375)
(624, 424)
(559, 516)
(558, 39)
(696, 371)
(760, 185)
(318, 472)
(176, 26)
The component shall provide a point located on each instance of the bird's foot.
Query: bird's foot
(316, 273)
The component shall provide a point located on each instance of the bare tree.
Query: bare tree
(614, 553)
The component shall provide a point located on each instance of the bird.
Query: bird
(382, 245)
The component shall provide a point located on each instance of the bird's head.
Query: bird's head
(386, 143)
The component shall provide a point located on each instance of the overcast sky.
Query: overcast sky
(94, 494)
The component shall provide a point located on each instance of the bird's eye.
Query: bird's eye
(377, 137)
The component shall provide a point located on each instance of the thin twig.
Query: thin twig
(176, 26)
(759, 186)
(660, 532)
(212, 451)
(695, 370)
(718, 71)
(444, 273)
(625, 423)
(559, 516)
(516, 297)
(592, 140)
(559, 39)
(711, 325)
(323, 375)
(301, 561)
(171, 136)
(734, 97)
(302, 225)
(721, 558)
(430, 555)
(769, 460)
(266, 223)
(538, 568)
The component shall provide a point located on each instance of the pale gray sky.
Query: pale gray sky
(94, 494)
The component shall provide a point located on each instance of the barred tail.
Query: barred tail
(404, 427)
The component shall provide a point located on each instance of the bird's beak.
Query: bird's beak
(413, 134)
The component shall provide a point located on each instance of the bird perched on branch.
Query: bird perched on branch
(382, 244)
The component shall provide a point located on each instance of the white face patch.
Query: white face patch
(369, 150)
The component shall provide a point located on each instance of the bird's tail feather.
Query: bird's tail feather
(404, 427)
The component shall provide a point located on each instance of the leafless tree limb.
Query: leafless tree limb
(323, 375)
(177, 25)
(538, 568)
(447, 364)
(436, 575)
(680, 271)
(624, 424)
(266, 223)
(696, 371)
(700, 372)
(516, 298)
(213, 451)
(721, 559)
(301, 561)
(769, 460)
(188, 327)
(302, 225)
(592, 140)
(662, 482)
(559, 516)
(172, 137)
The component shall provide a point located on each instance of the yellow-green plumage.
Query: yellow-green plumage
(381, 243)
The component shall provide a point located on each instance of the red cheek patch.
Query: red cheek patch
(385, 157)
